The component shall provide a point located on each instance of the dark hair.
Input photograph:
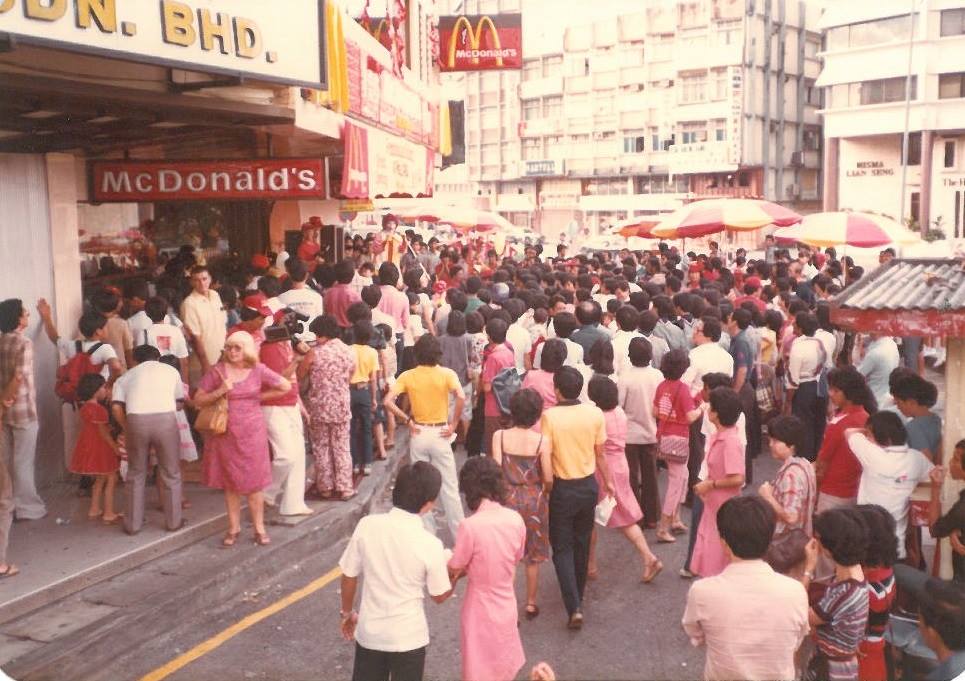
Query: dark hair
(481, 478)
(807, 322)
(156, 309)
(296, 269)
(171, 361)
(673, 364)
(887, 428)
(11, 310)
(475, 322)
(787, 429)
(371, 295)
(269, 285)
(358, 312)
(627, 318)
(569, 382)
(456, 323)
(711, 328)
(553, 356)
(362, 331)
(564, 324)
(526, 406)
(648, 320)
(717, 379)
(589, 312)
(416, 485)
(727, 404)
(344, 271)
(428, 350)
(325, 326)
(853, 385)
(882, 541)
(600, 357)
(496, 330)
(942, 606)
(90, 322)
(843, 533)
(603, 392)
(747, 525)
(640, 352)
(917, 389)
(388, 274)
(146, 353)
(742, 318)
(88, 385)
(104, 301)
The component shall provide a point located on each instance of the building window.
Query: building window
(531, 70)
(915, 206)
(811, 49)
(914, 148)
(949, 161)
(633, 142)
(884, 91)
(812, 94)
(530, 109)
(532, 150)
(953, 22)
(718, 84)
(812, 140)
(553, 107)
(692, 88)
(552, 66)
(875, 32)
(719, 126)
(661, 49)
(951, 85)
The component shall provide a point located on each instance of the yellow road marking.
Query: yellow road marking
(254, 618)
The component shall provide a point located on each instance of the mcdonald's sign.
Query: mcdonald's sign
(355, 168)
(481, 42)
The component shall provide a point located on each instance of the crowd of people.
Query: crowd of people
(573, 384)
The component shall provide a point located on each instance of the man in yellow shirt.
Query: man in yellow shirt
(429, 386)
(205, 319)
(576, 433)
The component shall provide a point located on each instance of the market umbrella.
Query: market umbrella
(710, 216)
(843, 228)
(463, 219)
(632, 227)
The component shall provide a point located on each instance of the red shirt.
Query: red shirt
(495, 360)
(758, 303)
(338, 299)
(277, 357)
(842, 471)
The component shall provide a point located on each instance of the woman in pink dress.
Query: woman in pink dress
(489, 544)
(725, 477)
(541, 380)
(237, 461)
(604, 394)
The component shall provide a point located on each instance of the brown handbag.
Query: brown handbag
(213, 418)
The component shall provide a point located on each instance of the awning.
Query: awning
(843, 13)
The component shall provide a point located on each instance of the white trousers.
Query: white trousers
(430, 446)
(19, 447)
(287, 439)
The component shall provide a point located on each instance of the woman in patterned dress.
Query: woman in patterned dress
(524, 455)
(840, 618)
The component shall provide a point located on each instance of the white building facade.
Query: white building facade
(872, 51)
(635, 114)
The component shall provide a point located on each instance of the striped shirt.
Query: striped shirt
(844, 609)
(17, 355)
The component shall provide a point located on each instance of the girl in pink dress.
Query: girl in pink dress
(725, 477)
(489, 544)
(96, 452)
(541, 380)
(603, 393)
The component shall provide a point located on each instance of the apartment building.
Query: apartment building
(887, 71)
(637, 113)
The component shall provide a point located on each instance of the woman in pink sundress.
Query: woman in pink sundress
(237, 461)
(489, 544)
(604, 394)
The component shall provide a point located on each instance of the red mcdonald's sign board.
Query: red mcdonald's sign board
(481, 42)
(355, 170)
(267, 178)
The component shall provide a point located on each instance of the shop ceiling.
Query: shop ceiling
(41, 114)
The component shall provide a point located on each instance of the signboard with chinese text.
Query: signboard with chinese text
(480, 42)
(379, 164)
(270, 178)
(249, 38)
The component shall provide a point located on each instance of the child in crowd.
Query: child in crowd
(96, 452)
(93, 327)
(793, 494)
(108, 302)
(878, 571)
(388, 364)
(363, 395)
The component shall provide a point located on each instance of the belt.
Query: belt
(432, 425)
(366, 384)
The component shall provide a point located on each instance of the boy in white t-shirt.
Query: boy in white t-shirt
(93, 327)
(166, 337)
(890, 469)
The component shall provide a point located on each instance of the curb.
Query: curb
(84, 654)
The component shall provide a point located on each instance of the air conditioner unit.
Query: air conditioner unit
(797, 159)
(793, 191)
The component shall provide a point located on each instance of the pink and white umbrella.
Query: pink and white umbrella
(845, 228)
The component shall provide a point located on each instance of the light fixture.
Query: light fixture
(40, 114)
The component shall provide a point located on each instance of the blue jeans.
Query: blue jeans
(360, 438)
(696, 511)
(572, 503)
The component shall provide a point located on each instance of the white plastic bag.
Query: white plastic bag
(604, 510)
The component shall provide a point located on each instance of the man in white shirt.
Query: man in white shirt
(707, 355)
(804, 368)
(167, 338)
(890, 469)
(517, 335)
(300, 297)
(751, 619)
(880, 359)
(627, 319)
(144, 403)
(645, 325)
(637, 386)
(400, 560)
(206, 320)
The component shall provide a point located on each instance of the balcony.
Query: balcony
(538, 127)
(630, 75)
(540, 87)
(634, 120)
(577, 84)
(606, 80)
(605, 122)
(579, 126)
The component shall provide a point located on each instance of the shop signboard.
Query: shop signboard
(245, 38)
(379, 164)
(543, 168)
(270, 178)
(481, 42)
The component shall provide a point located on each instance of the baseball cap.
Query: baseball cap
(753, 281)
(260, 261)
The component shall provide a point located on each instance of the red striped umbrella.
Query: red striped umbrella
(632, 227)
(710, 216)
(844, 228)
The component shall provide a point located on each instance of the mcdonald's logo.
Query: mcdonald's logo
(481, 42)
(355, 168)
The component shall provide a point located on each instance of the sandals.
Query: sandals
(262, 538)
(532, 611)
(664, 537)
(653, 569)
(679, 528)
(11, 571)
(230, 538)
(118, 517)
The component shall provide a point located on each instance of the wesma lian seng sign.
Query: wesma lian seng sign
(481, 42)
(141, 181)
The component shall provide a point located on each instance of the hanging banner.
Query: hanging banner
(270, 178)
(481, 42)
(398, 167)
(355, 168)
(249, 38)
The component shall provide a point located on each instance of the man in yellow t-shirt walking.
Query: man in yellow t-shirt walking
(429, 386)
(576, 432)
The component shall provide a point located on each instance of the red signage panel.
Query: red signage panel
(274, 178)
(481, 42)
(355, 169)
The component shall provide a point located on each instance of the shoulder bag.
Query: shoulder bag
(672, 448)
(213, 419)
(787, 549)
